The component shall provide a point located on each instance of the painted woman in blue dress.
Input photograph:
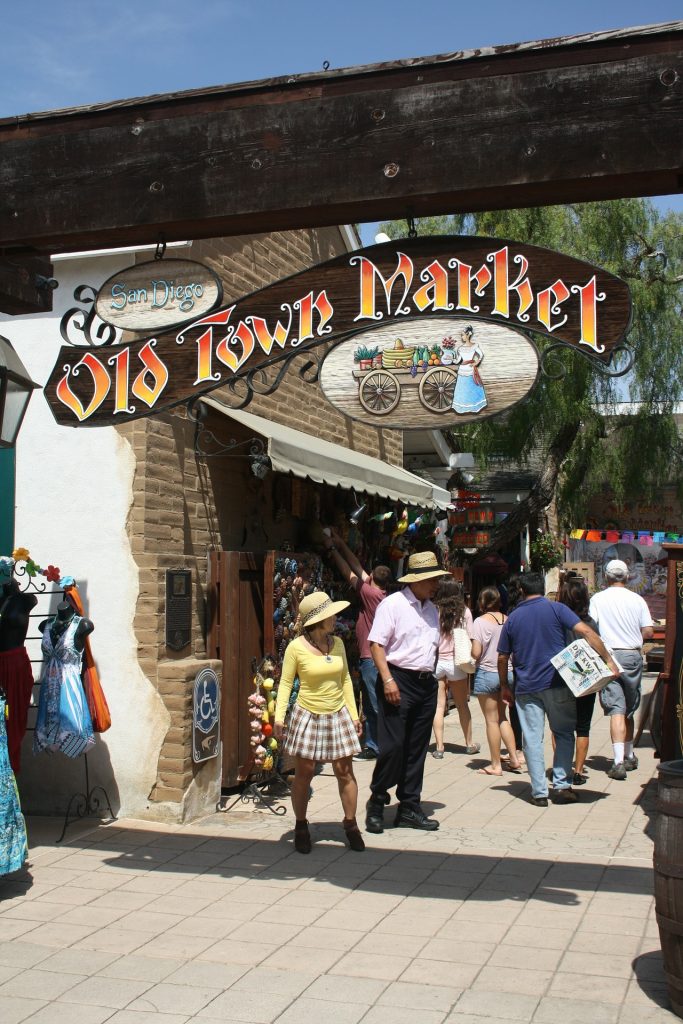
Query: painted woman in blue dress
(469, 394)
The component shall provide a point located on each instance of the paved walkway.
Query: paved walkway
(507, 913)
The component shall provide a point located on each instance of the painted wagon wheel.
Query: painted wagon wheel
(379, 392)
(437, 387)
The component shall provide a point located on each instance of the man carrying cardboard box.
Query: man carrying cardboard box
(624, 621)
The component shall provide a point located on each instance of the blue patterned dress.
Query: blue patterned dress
(13, 847)
(63, 721)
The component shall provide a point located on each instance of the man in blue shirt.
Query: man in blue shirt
(533, 634)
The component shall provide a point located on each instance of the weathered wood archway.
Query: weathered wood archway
(588, 117)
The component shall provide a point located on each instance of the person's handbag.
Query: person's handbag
(462, 651)
(92, 687)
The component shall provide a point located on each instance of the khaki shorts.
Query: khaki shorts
(622, 695)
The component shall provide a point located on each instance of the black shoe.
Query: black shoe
(353, 835)
(578, 779)
(374, 817)
(366, 754)
(539, 801)
(564, 796)
(302, 837)
(406, 818)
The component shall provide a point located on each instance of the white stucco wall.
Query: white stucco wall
(74, 491)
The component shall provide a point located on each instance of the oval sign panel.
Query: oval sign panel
(158, 294)
(432, 374)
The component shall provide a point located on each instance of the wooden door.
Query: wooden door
(236, 636)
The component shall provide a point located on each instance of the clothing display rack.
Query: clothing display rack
(87, 804)
(263, 792)
(81, 804)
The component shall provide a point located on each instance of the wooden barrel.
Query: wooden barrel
(668, 865)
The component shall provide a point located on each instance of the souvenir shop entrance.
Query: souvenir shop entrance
(627, 78)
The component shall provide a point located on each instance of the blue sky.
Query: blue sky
(72, 52)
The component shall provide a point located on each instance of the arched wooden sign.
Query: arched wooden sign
(416, 279)
(159, 294)
(437, 373)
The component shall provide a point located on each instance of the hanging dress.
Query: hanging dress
(13, 847)
(469, 394)
(63, 721)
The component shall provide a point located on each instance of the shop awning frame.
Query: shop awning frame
(307, 456)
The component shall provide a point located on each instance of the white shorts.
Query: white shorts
(447, 670)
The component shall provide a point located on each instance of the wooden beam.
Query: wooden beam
(566, 120)
(26, 285)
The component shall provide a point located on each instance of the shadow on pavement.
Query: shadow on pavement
(522, 791)
(463, 875)
(649, 971)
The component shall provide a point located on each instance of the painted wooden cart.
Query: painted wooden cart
(379, 391)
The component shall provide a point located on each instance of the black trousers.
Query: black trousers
(403, 733)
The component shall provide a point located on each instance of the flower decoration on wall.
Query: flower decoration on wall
(21, 555)
(52, 574)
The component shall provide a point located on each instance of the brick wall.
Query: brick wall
(245, 264)
(184, 506)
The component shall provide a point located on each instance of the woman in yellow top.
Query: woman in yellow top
(323, 724)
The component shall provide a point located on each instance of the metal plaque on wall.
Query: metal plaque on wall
(206, 707)
(178, 608)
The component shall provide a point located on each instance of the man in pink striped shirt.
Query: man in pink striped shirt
(404, 642)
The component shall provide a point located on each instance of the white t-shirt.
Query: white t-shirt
(620, 615)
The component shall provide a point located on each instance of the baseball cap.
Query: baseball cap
(617, 569)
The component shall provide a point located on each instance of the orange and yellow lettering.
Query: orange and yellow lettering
(121, 361)
(502, 287)
(101, 382)
(246, 340)
(549, 302)
(434, 291)
(205, 343)
(465, 279)
(305, 306)
(369, 273)
(264, 337)
(149, 393)
(588, 309)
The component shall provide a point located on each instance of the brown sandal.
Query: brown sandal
(302, 837)
(353, 835)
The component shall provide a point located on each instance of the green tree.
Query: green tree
(574, 419)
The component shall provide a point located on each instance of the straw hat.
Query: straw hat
(422, 566)
(317, 607)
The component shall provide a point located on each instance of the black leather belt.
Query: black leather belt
(416, 673)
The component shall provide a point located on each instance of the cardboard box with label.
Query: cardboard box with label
(582, 668)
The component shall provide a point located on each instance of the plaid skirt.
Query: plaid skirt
(321, 738)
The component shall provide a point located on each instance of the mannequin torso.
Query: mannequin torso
(61, 621)
(15, 608)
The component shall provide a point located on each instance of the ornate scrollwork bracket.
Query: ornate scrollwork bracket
(209, 446)
(265, 379)
(620, 363)
(85, 322)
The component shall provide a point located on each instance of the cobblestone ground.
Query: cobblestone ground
(507, 913)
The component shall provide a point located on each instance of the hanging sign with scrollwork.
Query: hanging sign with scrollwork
(468, 289)
(158, 294)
